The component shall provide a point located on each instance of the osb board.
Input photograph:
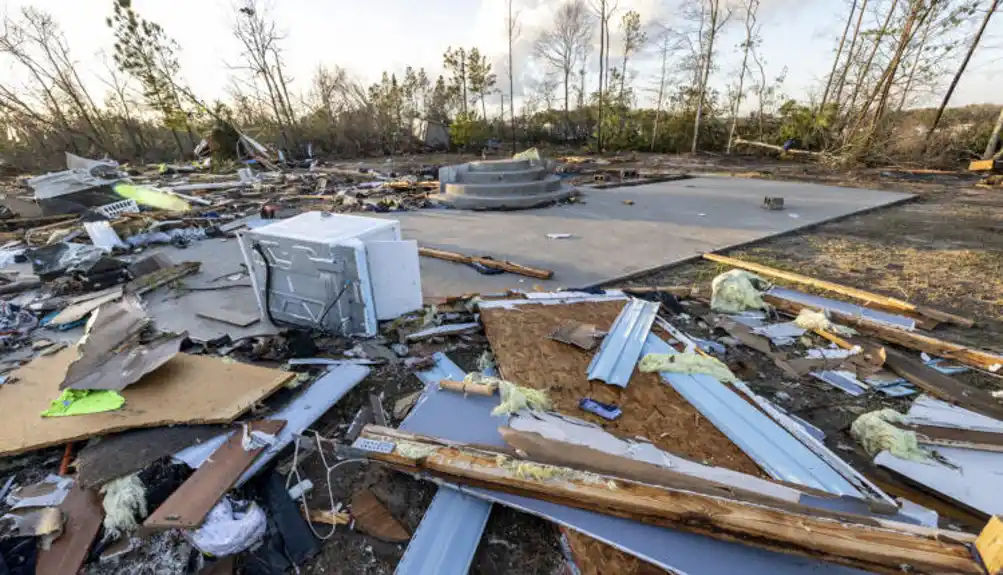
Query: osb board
(651, 409)
(188, 389)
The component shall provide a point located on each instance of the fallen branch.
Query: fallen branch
(910, 339)
(488, 263)
(779, 149)
(878, 546)
(876, 300)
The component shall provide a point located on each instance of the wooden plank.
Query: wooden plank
(890, 548)
(188, 506)
(83, 512)
(877, 300)
(488, 263)
(963, 438)
(943, 386)
(188, 389)
(910, 339)
(990, 546)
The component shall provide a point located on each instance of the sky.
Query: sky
(367, 37)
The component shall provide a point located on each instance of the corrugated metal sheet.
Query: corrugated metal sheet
(974, 481)
(621, 348)
(869, 314)
(927, 410)
(769, 445)
(448, 535)
(844, 380)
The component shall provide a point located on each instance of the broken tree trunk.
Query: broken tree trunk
(875, 300)
(889, 548)
(912, 340)
(488, 263)
(778, 149)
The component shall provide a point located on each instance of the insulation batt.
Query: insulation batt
(737, 291)
(875, 432)
(687, 362)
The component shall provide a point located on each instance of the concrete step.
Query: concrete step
(470, 202)
(498, 190)
(528, 175)
(499, 165)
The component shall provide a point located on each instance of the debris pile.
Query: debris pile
(229, 374)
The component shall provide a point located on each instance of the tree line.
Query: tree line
(889, 56)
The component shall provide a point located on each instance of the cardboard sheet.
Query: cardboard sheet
(186, 390)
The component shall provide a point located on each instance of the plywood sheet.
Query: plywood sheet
(651, 409)
(188, 506)
(189, 389)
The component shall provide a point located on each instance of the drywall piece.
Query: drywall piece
(615, 361)
(874, 315)
(771, 446)
(299, 414)
(127, 452)
(186, 390)
(395, 277)
(77, 311)
(447, 537)
(83, 513)
(973, 481)
(188, 505)
(927, 410)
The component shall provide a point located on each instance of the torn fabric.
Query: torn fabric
(83, 402)
(687, 362)
(875, 432)
(152, 197)
(737, 291)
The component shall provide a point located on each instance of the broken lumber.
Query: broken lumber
(465, 387)
(889, 548)
(990, 546)
(943, 386)
(83, 512)
(372, 517)
(189, 505)
(876, 300)
(910, 339)
(503, 265)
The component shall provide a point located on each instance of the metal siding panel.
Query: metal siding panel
(621, 348)
(877, 316)
(769, 445)
(447, 537)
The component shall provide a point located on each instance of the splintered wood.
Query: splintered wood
(651, 409)
(856, 541)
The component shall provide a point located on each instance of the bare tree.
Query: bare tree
(851, 53)
(259, 37)
(634, 39)
(564, 46)
(865, 70)
(751, 10)
(666, 44)
(993, 5)
(839, 54)
(715, 21)
(512, 29)
(604, 10)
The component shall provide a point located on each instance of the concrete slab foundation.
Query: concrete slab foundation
(667, 222)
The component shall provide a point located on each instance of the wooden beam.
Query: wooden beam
(910, 339)
(875, 300)
(943, 386)
(509, 267)
(878, 549)
(963, 438)
(990, 546)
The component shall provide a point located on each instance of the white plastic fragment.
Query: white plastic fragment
(230, 528)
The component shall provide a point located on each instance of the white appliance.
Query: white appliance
(333, 272)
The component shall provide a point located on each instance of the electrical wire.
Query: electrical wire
(294, 473)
